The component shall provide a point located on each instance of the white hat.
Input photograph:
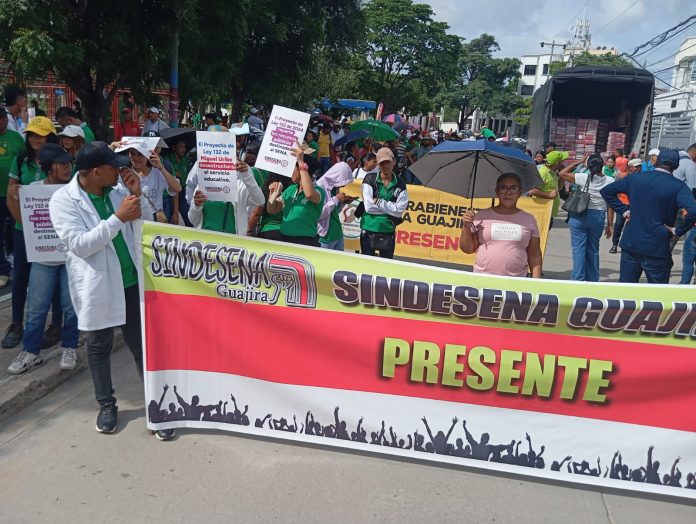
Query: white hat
(72, 131)
(635, 162)
(153, 110)
(654, 151)
(253, 110)
(143, 145)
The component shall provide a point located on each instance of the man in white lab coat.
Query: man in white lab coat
(94, 216)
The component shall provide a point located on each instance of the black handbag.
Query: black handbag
(381, 241)
(578, 200)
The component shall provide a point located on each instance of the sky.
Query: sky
(520, 25)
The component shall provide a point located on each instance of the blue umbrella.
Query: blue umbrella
(352, 137)
(470, 168)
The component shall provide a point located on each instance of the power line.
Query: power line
(661, 37)
(648, 52)
(616, 18)
(672, 56)
(567, 26)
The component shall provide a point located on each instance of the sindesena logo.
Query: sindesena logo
(239, 274)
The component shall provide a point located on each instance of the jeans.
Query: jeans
(325, 164)
(20, 283)
(184, 207)
(656, 269)
(43, 281)
(688, 257)
(168, 207)
(336, 245)
(5, 267)
(366, 245)
(618, 229)
(585, 232)
(100, 343)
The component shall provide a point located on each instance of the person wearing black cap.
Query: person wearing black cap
(655, 198)
(94, 215)
(45, 279)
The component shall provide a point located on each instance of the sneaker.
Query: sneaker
(68, 360)
(613, 249)
(13, 336)
(51, 337)
(4, 279)
(24, 362)
(165, 434)
(106, 420)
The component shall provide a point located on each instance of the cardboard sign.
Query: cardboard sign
(42, 242)
(217, 155)
(286, 128)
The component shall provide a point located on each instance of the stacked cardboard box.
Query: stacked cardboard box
(577, 136)
(616, 141)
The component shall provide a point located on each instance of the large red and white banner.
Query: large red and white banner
(588, 383)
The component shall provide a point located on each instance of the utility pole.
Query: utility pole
(553, 45)
(174, 80)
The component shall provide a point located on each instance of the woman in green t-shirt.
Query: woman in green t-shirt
(25, 170)
(301, 204)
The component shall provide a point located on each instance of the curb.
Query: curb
(19, 391)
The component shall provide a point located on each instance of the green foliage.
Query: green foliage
(483, 81)
(587, 59)
(410, 56)
(524, 113)
(95, 47)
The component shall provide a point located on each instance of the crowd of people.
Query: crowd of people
(106, 187)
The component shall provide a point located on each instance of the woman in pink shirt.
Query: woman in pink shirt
(505, 239)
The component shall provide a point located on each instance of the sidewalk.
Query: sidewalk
(18, 391)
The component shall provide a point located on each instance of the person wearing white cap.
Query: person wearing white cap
(649, 164)
(72, 139)
(154, 122)
(254, 120)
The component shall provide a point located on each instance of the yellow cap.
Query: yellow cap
(41, 126)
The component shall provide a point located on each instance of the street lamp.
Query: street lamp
(553, 45)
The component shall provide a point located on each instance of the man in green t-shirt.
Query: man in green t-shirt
(94, 215)
(11, 145)
(181, 165)
(66, 116)
(549, 175)
(301, 205)
(385, 199)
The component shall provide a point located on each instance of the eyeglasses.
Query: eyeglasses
(508, 189)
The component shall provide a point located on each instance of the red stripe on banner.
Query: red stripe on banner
(650, 385)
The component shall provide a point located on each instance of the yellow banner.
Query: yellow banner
(432, 223)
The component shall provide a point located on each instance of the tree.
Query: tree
(587, 59)
(410, 56)
(96, 48)
(483, 81)
(281, 45)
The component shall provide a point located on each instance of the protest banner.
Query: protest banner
(286, 127)
(42, 242)
(433, 223)
(217, 156)
(569, 381)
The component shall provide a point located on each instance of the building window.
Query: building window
(674, 104)
(545, 69)
(527, 90)
(530, 70)
(693, 71)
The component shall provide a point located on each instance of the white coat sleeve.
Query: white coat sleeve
(191, 183)
(255, 196)
(195, 215)
(369, 201)
(397, 208)
(71, 229)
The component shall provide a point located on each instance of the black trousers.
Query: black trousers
(100, 344)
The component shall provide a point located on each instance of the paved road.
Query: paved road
(55, 468)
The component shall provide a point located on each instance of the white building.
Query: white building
(681, 98)
(535, 72)
(674, 111)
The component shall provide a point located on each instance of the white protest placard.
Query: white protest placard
(42, 243)
(217, 156)
(285, 128)
(145, 145)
